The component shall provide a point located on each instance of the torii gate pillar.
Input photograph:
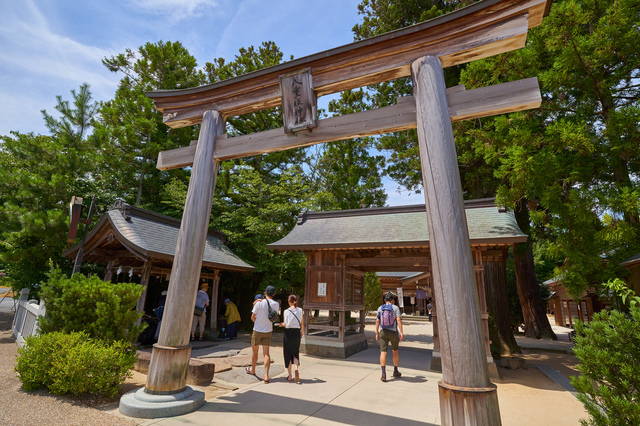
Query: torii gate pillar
(466, 395)
(166, 392)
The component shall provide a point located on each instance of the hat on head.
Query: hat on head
(164, 293)
(270, 291)
(258, 297)
(226, 301)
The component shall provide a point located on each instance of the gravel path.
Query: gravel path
(41, 407)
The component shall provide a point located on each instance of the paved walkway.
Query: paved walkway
(350, 391)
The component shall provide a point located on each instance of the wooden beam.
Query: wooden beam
(463, 105)
(483, 29)
(384, 262)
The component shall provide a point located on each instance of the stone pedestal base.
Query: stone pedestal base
(329, 347)
(144, 405)
(468, 406)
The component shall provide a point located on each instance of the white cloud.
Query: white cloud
(38, 64)
(177, 10)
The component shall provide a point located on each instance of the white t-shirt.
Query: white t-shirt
(262, 323)
(290, 320)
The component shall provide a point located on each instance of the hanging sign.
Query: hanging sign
(298, 101)
(400, 297)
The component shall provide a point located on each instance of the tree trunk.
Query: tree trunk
(536, 323)
(495, 278)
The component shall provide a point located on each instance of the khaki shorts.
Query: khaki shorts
(389, 336)
(258, 338)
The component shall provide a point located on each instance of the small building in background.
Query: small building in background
(566, 310)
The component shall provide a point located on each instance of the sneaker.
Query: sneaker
(397, 374)
(383, 378)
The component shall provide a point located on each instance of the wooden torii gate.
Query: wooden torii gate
(422, 51)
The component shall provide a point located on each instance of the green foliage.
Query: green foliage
(38, 176)
(346, 174)
(621, 295)
(132, 130)
(101, 309)
(74, 364)
(574, 161)
(609, 384)
(372, 292)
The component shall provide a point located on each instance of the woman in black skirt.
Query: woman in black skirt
(293, 323)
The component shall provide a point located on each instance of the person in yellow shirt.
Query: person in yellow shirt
(232, 316)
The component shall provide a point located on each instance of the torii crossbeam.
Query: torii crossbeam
(422, 51)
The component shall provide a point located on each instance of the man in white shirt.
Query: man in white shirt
(262, 330)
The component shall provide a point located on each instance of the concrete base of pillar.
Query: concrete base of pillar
(140, 404)
(328, 347)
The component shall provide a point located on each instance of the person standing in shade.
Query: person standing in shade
(262, 330)
(429, 308)
(232, 316)
(293, 323)
(159, 311)
(389, 330)
(202, 301)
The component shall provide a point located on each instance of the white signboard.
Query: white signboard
(400, 297)
(322, 289)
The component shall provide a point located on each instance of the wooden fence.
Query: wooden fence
(25, 321)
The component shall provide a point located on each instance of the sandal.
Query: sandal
(266, 380)
(289, 379)
(248, 371)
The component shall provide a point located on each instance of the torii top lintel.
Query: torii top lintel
(481, 30)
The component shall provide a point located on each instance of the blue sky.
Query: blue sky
(49, 47)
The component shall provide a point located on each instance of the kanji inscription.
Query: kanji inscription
(298, 101)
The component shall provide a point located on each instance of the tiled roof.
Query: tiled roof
(394, 227)
(153, 234)
(631, 260)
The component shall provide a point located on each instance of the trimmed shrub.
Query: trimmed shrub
(74, 364)
(609, 352)
(103, 310)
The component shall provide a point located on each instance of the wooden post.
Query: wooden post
(170, 356)
(213, 306)
(109, 272)
(466, 395)
(478, 267)
(144, 282)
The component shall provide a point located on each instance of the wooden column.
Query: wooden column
(109, 272)
(466, 395)
(478, 268)
(144, 282)
(170, 356)
(213, 306)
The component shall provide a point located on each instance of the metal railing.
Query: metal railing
(25, 320)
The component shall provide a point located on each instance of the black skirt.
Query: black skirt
(291, 345)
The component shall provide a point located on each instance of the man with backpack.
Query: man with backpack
(263, 318)
(389, 330)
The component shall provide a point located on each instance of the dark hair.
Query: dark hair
(388, 297)
(293, 299)
(270, 291)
